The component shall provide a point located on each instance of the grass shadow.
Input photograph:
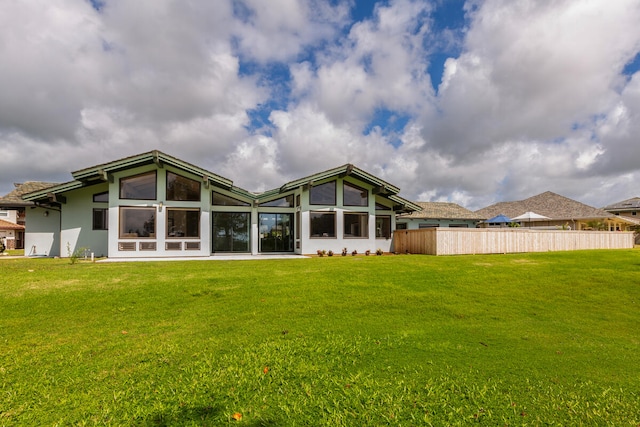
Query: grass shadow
(203, 415)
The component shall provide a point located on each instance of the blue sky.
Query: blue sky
(466, 101)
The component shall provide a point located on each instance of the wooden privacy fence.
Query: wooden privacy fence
(459, 241)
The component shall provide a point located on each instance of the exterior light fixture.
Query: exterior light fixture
(46, 213)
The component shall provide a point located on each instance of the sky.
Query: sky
(472, 102)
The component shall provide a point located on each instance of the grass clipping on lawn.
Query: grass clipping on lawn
(523, 339)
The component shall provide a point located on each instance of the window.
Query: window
(401, 226)
(101, 197)
(139, 187)
(100, 219)
(323, 194)
(137, 222)
(383, 226)
(323, 224)
(231, 231)
(183, 223)
(356, 225)
(219, 199)
(381, 207)
(181, 188)
(458, 225)
(283, 202)
(428, 225)
(276, 232)
(354, 196)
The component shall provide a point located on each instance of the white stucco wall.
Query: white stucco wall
(77, 234)
(42, 235)
(310, 244)
(115, 203)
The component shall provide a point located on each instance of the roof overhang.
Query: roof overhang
(380, 186)
(104, 172)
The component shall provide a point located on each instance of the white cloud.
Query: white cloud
(536, 100)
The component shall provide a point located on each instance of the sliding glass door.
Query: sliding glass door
(231, 231)
(276, 232)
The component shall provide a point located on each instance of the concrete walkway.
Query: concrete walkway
(242, 257)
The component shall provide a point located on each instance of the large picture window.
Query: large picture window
(356, 225)
(137, 222)
(323, 194)
(231, 231)
(139, 187)
(183, 223)
(355, 196)
(383, 226)
(182, 189)
(323, 224)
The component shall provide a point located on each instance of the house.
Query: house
(438, 214)
(551, 211)
(629, 210)
(156, 205)
(12, 211)
(10, 231)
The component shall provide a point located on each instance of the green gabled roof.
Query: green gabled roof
(406, 204)
(60, 188)
(386, 189)
(345, 170)
(155, 156)
(99, 173)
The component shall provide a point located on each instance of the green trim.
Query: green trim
(42, 194)
(98, 172)
(409, 205)
(344, 170)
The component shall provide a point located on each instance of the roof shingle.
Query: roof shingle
(441, 210)
(548, 204)
(14, 198)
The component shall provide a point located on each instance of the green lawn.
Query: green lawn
(526, 339)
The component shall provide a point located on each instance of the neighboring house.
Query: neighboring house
(9, 231)
(629, 210)
(438, 214)
(155, 205)
(12, 209)
(561, 212)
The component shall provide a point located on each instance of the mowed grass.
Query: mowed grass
(526, 339)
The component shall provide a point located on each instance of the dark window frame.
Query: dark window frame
(288, 202)
(363, 227)
(98, 196)
(102, 222)
(232, 201)
(228, 216)
(123, 181)
(186, 233)
(311, 224)
(121, 214)
(386, 232)
(321, 202)
(185, 188)
(364, 201)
